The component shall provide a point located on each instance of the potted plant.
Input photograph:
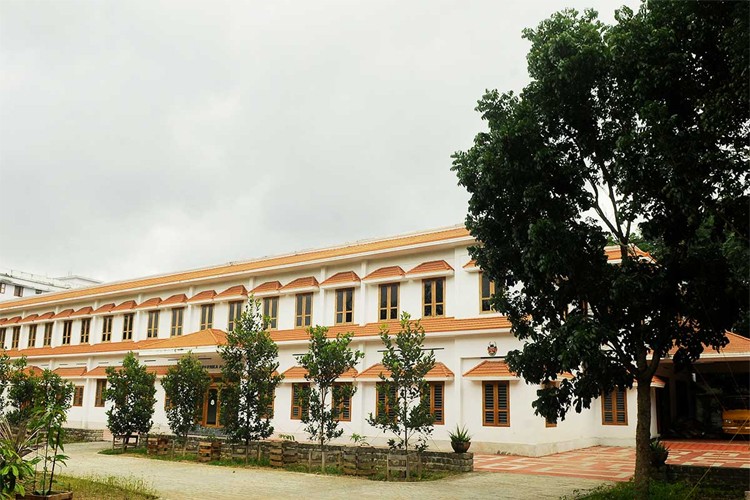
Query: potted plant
(659, 452)
(460, 439)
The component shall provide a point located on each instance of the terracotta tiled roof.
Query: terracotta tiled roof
(70, 372)
(439, 371)
(32, 370)
(150, 303)
(82, 311)
(434, 266)
(298, 373)
(178, 298)
(267, 287)
(13, 320)
(613, 252)
(211, 336)
(657, 382)
(490, 369)
(102, 347)
(235, 291)
(63, 314)
(101, 371)
(470, 264)
(29, 318)
(284, 260)
(737, 345)
(104, 309)
(344, 277)
(306, 282)
(47, 315)
(204, 295)
(385, 273)
(125, 306)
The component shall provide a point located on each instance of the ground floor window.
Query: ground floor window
(300, 400)
(211, 407)
(101, 385)
(386, 400)
(78, 396)
(615, 408)
(343, 401)
(435, 398)
(496, 404)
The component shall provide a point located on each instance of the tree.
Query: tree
(403, 408)
(185, 385)
(32, 390)
(325, 361)
(5, 372)
(637, 126)
(131, 391)
(250, 377)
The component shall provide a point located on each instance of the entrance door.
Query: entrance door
(211, 408)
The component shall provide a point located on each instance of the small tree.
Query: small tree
(5, 372)
(185, 384)
(406, 365)
(131, 391)
(325, 361)
(23, 386)
(52, 400)
(250, 377)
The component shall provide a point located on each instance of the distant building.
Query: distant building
(14, 284)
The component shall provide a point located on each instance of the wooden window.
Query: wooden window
(177, 314)
(106, 328)
(496, 404)
(18, 291)
(300, 400)
(101, 385)
(436, 399)
(127, 326)
(32, 336)
(386, 400)
(271, 311)
(85, 330)
(486, 291)
(2, 338)
(47, 340)
(67, 332)
(16, 337)
(342, 401)
(167, 402)
(344, 306)
(304, 310)
(207, 316)
(78, 396)
(548, 422)
(433, 297)
(615, 408)
(153, 325)
(388, 308)
(235, 311)
(268, 414)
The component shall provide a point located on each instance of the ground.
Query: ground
(196, 481)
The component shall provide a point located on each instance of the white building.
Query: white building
(14, 284)
(355, 287)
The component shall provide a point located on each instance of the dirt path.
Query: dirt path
(183, 481)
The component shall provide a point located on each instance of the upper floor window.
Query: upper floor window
(47, 340)
(18, 291)
(388, 301)
(303, 316)
(271, 311)
(85, 330)
(207, 316)
(496, 404)
(38, 292)
(153, 325)
(344, 306)
(127, 326)
(2, 287)
(235, 311)
(487, 290)
(107, 328)
(32, 335)
(433, 297)
(615, 408)
(16, 337)
(2, 338)
(177, 315)
(67, 332)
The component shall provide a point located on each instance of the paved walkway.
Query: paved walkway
(611, 463)
(189, 481)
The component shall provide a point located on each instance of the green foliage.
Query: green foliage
(5, 373)
(460, 435)
(325, 361)
(661, 491)
(131, 391)
(250, 376)
(185, 385)
(632, 132)
(405, 386)
(15, 445)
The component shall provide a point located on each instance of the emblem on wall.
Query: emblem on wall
(491, 348)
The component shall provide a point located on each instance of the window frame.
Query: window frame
(18, 291)
(99, 399)
(67, 335)
(107, 328)
(15, 338)
(152, 327)
(128, 320)
(547, 385)
(207, 316)
(433, 303)
(431, 400)
(2, 288)
(78, 396)
(389, 308)
(303, 317)
(32, 337)
(614, 411)
(2, 337)
(47, 339)
(271, 311)
(341, 306)
(482, 297)
(344, 405)
(388, 408)
(85, 333)
(303, 408)
(496, 403)
(175, 328)
(235, 312)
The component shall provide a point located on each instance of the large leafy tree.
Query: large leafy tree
(639, 125)
(185, 385)
(250, 377)
(403, 409)
(325, 361)
(131, 390)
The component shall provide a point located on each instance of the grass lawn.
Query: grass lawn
(97, 488)
(662, 491)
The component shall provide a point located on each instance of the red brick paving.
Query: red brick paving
(612, 463)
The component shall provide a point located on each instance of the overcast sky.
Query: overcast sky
(144, 137)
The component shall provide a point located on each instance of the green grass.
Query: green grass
(110, 487)
(659, 490)
(118, 451)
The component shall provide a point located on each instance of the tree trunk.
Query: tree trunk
(643, 438)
